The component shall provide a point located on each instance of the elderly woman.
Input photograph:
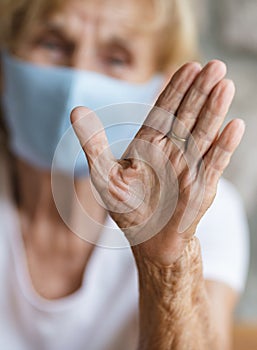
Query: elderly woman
(63, 285)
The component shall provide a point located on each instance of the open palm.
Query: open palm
(167, 177)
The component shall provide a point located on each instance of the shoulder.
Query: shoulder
(223, 233)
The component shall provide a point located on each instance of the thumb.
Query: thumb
(92, 137)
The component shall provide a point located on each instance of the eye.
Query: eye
(116, 61)
(54, 45)
(115, 56)
(50, 45)
(55, 49)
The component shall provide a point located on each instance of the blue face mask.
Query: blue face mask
(37, 102)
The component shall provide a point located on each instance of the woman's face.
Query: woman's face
(94, 35)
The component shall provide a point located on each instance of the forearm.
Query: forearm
(174, 309)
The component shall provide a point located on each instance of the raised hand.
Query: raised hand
(167, 178)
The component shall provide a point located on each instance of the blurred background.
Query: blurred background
(228, 32)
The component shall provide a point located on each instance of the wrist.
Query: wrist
(185, 266)
(170, 299)
(163, 253)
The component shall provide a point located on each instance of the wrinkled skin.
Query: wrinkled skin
(166, 208)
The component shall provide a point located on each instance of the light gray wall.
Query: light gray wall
(228, 32)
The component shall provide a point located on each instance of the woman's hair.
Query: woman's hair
(177, 40)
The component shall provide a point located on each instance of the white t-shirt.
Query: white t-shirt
(102, 314)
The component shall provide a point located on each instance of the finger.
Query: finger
(161, 116)
(92, 137)
(218, 157)
(179, 84)
(211, 119)
(197, 96)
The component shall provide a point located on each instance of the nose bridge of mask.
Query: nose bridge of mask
(96, 91)
(121, 106)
